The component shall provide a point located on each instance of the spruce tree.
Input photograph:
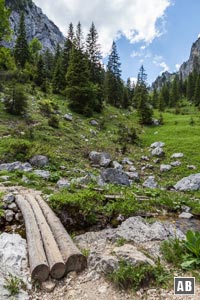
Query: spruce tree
(21, 50)
(113, 80)
(80, 92)
(155, 98)
(197, 92)
(141, 97)
(41, 77)
(79, 37)
(130, 90)
(174, 93)
(190, 87)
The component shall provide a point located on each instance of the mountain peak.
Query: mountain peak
(37, 24)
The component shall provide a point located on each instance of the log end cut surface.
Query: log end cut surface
(58, 270)
(40, 273)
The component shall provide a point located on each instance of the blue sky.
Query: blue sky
(182, 27)
(156, 33)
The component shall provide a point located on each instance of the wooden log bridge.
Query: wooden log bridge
(50, 248)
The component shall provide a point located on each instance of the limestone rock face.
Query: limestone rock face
(13, 260)
(37, 25)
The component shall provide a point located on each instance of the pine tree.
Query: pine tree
(145, 111)
(130, 90)
(16, 102)
(59, 80)
(41, 78)
(67, 48)
(80, 91)
(174, 93)
(190, 87)
(197, 92)
(113, 80)
(21, 50)
(155, 98)
(79, 37)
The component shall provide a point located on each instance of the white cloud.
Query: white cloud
(159, 62)
(143, 47)
(133, 80)
(134, 19)
(198, 35)
(136, 54)
(177, 66)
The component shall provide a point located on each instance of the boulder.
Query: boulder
(13, 262)
(102, 159)
(131, 254)
(17, 165)
(9, 215)
(117, 165)
(39, 161)
(158, 152)
(146, 158)
(42, 173)
(157, 145)
(177, 155)
(150, 183)
(13, 207)
(115, 176)
(127, 161)
(185, 215)
(134, 176)
(165, 168)
(191, 167)
(132, 169)
(9, 198)
(175, 163)
(94, 123)
(190, 183)
(63, 183)
(68, 117)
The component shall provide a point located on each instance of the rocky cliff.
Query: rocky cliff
(193, 62)
(37, 24)
(185, 69)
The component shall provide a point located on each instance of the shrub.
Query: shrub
(53, 121)
(47, 108)
(16, 101)
(127, 135)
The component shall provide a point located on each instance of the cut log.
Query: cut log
(37, 259)
(54, 257)
(73, 258)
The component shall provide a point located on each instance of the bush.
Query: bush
(47, 108)
(16, 101)
(127, 135)
(53, 121)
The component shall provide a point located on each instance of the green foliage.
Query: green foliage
(128, 276)
(53, 121)
(6, 59)
(172, 251)
(120, 242)
(47, 107)
(127, 135)
(13, 284)
(4, 24)
(34, 48)
(16, 101)
(85, 252)
(21, 50)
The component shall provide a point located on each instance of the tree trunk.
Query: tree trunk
(37, 259)
(73, 258)
(54, 257)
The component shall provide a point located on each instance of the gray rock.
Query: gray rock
(26, 167)
(158, 152)
(37, 25)
(9, 198)
(165, 168)
(131, 254)
(190, 183)
(63, 183)
(68, 117)
(9, 215)
(93, 132)
(191, 167)
(150, 183)
(102, 159)
(13, 207)
(94, 123)
(176, 163)
(84, 180)
(5, 178)
(48, 286)
(39, 161)
(135, 229)
(25, 179)
(18, 217)
(177, 155)
(14, 262)
(117, 165)
(42, 173)
(157, 145)
(132, 169)
(103, 263)
(127, 161)
(146, 158)
(185, 208)
(133, 176)
(115, 176)
(185, 215)
(155, 122)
